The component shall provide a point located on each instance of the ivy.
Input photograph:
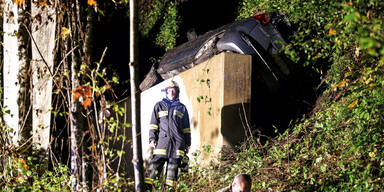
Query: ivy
(168, 30)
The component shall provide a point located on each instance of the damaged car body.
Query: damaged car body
(260, 36)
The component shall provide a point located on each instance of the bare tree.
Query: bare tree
(74, 112)
(43, 44)
(14, 63)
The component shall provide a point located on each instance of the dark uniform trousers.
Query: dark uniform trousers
(156, 168)
(169, 127)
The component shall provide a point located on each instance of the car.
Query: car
(260, 36)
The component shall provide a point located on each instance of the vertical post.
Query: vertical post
(135, 98)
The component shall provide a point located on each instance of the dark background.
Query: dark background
(112, 31)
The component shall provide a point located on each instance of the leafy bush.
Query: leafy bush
(168, 30)
(25, 175)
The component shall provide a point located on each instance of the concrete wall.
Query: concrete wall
(217, 94)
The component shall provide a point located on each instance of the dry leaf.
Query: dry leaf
(25, 165)
(92, 147)
(353, 103)
(331, 31)
(19, 2)
(92, 3)
(43, 3)
(86, 103)
(84, 95)
(341, 84)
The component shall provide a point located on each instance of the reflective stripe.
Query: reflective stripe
(180, 153)
(160, 152)
(170, 183)
(178, 113)
(154, 127)
(162, 113)
(187, 130)
(148, 180)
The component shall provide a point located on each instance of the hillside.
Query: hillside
(339, 145)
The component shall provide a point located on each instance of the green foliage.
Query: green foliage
(160, 19)
(24, 174)
(340, 145)
(168, 30)
(109, 131)
(150, 13)
(325, 30)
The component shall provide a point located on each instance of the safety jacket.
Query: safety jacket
(169, 126)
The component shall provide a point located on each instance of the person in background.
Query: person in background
(169, 135)
(241, 183)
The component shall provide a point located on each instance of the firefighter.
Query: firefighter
(170, 135)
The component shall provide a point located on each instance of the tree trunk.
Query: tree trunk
(99, 159)
(43, 43)
(74, 129)
(14, 62)
(74, 107)
(135, 98)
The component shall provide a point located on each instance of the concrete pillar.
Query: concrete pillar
(217, 94)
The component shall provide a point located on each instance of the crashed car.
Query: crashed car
(260, 36)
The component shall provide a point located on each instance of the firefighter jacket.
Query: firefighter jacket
(169, 126)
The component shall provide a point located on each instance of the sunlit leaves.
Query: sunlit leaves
(372, 155)
(150, 13)
(341, 84)
(92, 3)
(115, 80)
(353, 103)
(169, 29)
(331, 32)
(366, 42)
(83, 93)
(23, 164)
(65, 32)
(19, 2)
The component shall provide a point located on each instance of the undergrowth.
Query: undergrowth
(339, 145)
